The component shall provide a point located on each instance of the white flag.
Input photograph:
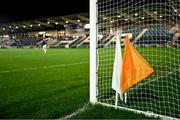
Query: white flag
(117, 70)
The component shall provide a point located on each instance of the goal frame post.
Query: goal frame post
(93, 51)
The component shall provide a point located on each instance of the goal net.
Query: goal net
(153, 27)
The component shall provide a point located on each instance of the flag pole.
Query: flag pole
(125, 97)
(116, 102)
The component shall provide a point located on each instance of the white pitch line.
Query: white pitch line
(76, 112)
(30, 56)
(43, 67)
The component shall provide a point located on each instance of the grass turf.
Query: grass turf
(45, 92)
(37, 85)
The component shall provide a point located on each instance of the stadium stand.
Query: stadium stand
(78, 41)
(61, 34)
(84, 43)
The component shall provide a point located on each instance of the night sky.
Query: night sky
(16, 10)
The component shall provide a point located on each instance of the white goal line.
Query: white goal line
(76, 112)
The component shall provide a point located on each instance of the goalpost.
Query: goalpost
(153, 27)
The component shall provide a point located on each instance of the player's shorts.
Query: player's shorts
(44, 46)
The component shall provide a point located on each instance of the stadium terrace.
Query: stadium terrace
(61, 32)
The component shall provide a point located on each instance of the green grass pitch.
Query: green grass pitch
(43, 85)
(52, 85)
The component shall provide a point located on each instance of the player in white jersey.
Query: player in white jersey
(44, 46)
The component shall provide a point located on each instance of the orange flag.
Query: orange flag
(135, 68)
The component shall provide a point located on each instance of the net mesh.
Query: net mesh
(154, 28)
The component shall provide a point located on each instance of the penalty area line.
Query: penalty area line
(43, 67)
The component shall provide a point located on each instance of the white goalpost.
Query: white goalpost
(153, 27)
(93, 51)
